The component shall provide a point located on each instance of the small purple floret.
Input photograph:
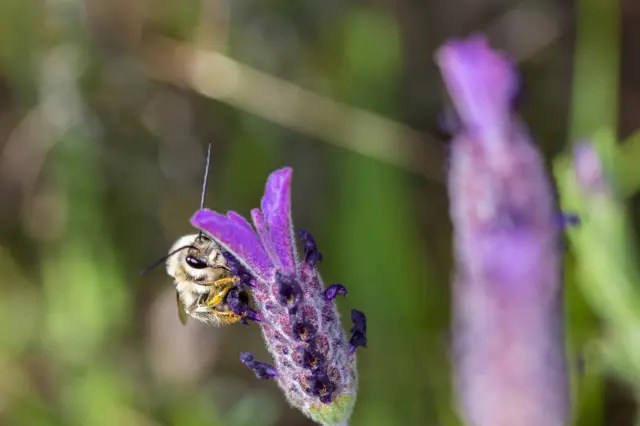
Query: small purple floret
(333, 291)
(312, 359)
(240, 307)
(321, 386)
(311, 253)
(303, 330)
(262, 369)
(359, 330)
(289, 292)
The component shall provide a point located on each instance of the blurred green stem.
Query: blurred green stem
(594, 107)
(594, 104)
(629, 175)
(606, 251)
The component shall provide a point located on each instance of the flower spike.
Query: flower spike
(508, 352)
(315, 362)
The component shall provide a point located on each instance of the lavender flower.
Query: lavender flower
(315, 363)
(507, 292)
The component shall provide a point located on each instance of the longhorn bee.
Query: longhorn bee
(202, 280)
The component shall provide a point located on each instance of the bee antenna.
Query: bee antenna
(204, 184)
(163, 258)
(206, 176)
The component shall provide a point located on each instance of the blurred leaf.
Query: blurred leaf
(19, 307)
(371, 44)
(193, 409)
(607, 271)
(594, 107)
(382, 260)
(20, 34)
(628, 174)
(100, 397)
(594, 104)
(383, 266)
(252, 409)
(32, 411)
(371, 60)
(84, 290)
(586, 383)
(254, 152)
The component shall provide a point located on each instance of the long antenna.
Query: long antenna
(204, 184)
(202, 198)
(206, 177)
(163, 258)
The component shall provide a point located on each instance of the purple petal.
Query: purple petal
(236, 235)
(263, 232)
(241, 221)
(276, 208)
(482, 84)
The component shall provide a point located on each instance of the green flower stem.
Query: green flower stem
(605, 251)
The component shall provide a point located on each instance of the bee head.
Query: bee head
(196, 258)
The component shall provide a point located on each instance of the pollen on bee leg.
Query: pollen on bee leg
(228, 282)
(262, 370)
(226, 285)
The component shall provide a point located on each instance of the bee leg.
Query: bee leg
(215, 317)
(229, 317)
(225, 285)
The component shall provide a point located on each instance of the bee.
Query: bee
(202, 280)
(201, 276)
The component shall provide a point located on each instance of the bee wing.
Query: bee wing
(182, 313)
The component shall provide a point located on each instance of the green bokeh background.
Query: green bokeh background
(101, 160)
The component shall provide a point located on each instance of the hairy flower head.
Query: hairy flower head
(315, 363)
(508, 327)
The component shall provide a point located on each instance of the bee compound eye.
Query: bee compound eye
(196, 263)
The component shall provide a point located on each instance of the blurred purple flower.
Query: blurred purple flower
(507, 291)
(315, 362)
